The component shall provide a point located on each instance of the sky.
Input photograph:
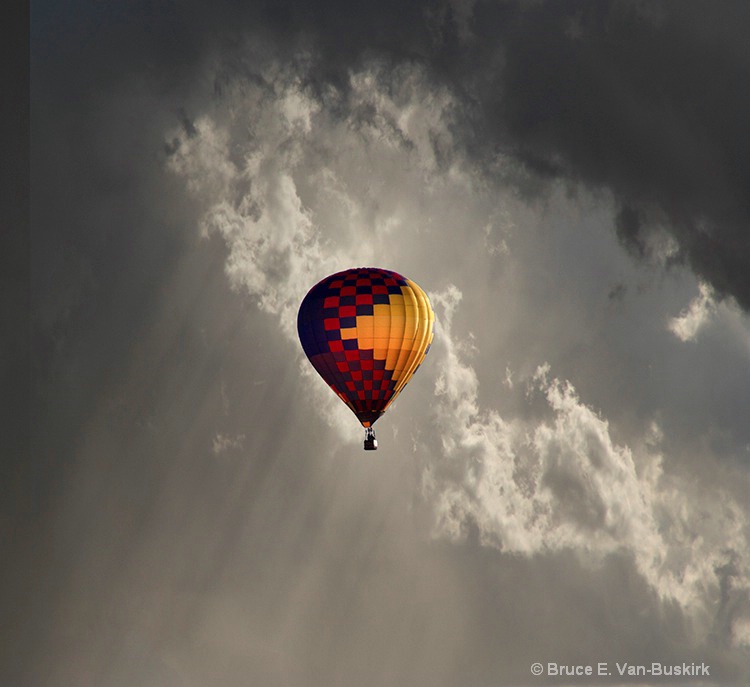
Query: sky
(563, 482)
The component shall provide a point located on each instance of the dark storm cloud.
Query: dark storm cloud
(647, 100)
(653, 107)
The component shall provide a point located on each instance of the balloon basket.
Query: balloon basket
(371, 443)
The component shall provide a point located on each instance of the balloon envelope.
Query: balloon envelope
(366, 331)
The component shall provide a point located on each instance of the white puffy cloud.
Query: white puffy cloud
(288, 184)
(689, 322)
(558, 483)
(252, 201)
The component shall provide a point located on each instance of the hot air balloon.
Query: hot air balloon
(366, 331)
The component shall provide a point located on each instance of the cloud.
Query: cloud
(535, 487)
(425, 137)
(600, 95)
(646, 101)
(283, 172)
(293, 201)
(616, 107)
(687, 325)
(223, 443)
(251, 200)
(284, 178)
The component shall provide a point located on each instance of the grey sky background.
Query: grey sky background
(566, 478)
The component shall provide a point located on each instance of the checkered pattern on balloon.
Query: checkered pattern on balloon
(366, 331)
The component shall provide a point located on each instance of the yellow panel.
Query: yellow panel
(407, 331)
(396, 304)
(382, 331)
(381, 327)
(423, 336)
(391, 358)
(365, 331)
(394, 346)
(424, 330)
(349, 333)
(398, 332)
